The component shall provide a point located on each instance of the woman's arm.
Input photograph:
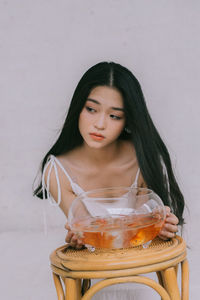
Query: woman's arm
(67, 197)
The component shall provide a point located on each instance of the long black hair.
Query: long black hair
(152, 154)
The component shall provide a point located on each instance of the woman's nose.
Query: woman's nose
(100, 122)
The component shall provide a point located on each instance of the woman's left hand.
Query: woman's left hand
(170, 226)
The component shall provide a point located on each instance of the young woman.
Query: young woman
(108, 139)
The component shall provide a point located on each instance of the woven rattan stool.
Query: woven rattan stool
(120, 266)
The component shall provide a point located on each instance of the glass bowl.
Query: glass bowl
(117, 217)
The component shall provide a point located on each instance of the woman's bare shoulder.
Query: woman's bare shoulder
(127, 152)
(130, 151)
(51, 175)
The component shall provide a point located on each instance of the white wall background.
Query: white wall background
(45, 47)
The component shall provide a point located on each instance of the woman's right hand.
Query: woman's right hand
(72, 239)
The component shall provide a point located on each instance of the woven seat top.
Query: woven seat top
(103, 259)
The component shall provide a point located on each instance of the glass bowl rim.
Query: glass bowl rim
(128, 189)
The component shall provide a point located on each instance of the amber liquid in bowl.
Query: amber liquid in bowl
(119, 231)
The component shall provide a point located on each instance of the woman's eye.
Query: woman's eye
(90, 109)
(114, 117)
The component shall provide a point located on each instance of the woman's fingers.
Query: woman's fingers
(72, 239)
(76, 243)
(170, 226)
(168, 231)
(69, 236)
(67, 226)
(79, 244)
(172, 219)
(165, 235)
(167, 209)
(73, 242)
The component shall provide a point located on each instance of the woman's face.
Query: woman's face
(102, 119)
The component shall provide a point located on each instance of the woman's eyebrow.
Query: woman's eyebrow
(97, 102)
(92, 100)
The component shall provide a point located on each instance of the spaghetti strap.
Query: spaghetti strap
(135, 183)
(53, 163)
(75, 187)
(63, 169)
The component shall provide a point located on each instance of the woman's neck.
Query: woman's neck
(102, 156)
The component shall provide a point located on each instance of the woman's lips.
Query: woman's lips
(96, 136)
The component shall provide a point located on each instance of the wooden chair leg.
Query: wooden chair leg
(176, 269)
(170, 283)
(85, 286)
(59, 288)
(160, 280)
(185, 280)
(72, 289)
